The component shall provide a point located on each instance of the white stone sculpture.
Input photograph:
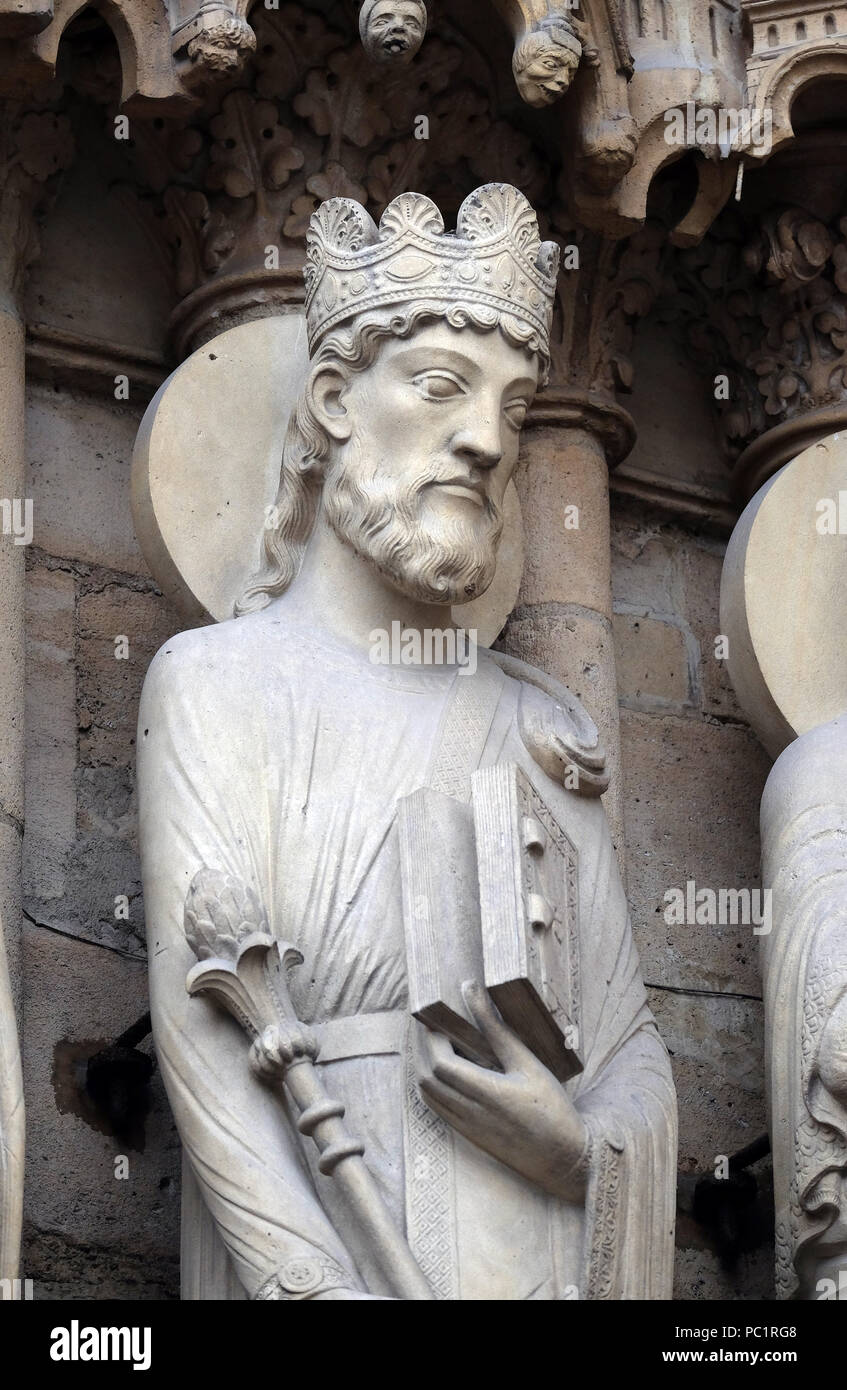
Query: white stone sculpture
(274, 750)
(549, 42)
(392, 30)
(783, 611)
(804, 863)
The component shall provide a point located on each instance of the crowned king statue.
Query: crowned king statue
(302, 801)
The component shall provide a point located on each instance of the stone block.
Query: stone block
(652, 661)
(51, 732)
(716, 1044)
(78, 998)
(691, 809)
(79, 450)
(110, 683)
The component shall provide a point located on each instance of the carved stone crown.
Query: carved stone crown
(493, 269)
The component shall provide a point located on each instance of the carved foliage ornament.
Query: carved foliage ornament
(274, 153)
(771, 314)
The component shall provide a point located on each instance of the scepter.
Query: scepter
(244, 968)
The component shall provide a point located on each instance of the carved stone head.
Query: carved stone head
(544, 63)
(426, 350)
(392, 30)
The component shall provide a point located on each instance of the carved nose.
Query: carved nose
(481, 444)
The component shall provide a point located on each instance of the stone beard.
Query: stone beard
(273, 751)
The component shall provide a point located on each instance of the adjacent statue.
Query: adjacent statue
(804, 957)
(392, 30)
(311, 802)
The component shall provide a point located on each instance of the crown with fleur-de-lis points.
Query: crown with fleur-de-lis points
(494, 263)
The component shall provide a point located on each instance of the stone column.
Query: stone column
(563, 619)
(575, 433)
(32, 148)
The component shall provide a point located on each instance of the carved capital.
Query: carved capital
(604, 288)
(235, 193)
(34, 147)
(767, 312)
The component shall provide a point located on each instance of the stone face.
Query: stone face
(663, 574)
(716, 1043)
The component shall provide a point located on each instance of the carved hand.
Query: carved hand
(522, 1117)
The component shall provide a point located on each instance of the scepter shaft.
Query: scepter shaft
(342, 1158)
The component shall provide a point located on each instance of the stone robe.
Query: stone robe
(271, 751)
(804, 959)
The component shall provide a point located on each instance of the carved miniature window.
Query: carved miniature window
(773, 36)
(829, 23)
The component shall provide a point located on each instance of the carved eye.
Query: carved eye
(438, 386)
(515, 413)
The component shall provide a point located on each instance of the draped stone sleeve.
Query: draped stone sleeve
(626, 1097)
(202, 795)
(626, 1093)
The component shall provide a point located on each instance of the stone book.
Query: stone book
(489, 894)
(528, 892)
(441, 915)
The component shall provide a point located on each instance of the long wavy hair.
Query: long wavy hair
(306, 453)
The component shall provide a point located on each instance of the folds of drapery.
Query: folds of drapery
(205, 800)
(804, 958)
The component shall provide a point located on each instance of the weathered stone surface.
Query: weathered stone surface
(691, 810)
(700, 1276)
(111, 671)
(51, 732)
(671, 576)
(79, 997)
(563, 484)
(717, 1051)
(651, 660)
(79, 451)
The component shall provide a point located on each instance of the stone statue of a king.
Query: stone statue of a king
(275, 752)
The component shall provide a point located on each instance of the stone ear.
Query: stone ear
(325, 391)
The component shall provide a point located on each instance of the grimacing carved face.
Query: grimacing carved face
(432, 431)
(393, 28)
(548, 72)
